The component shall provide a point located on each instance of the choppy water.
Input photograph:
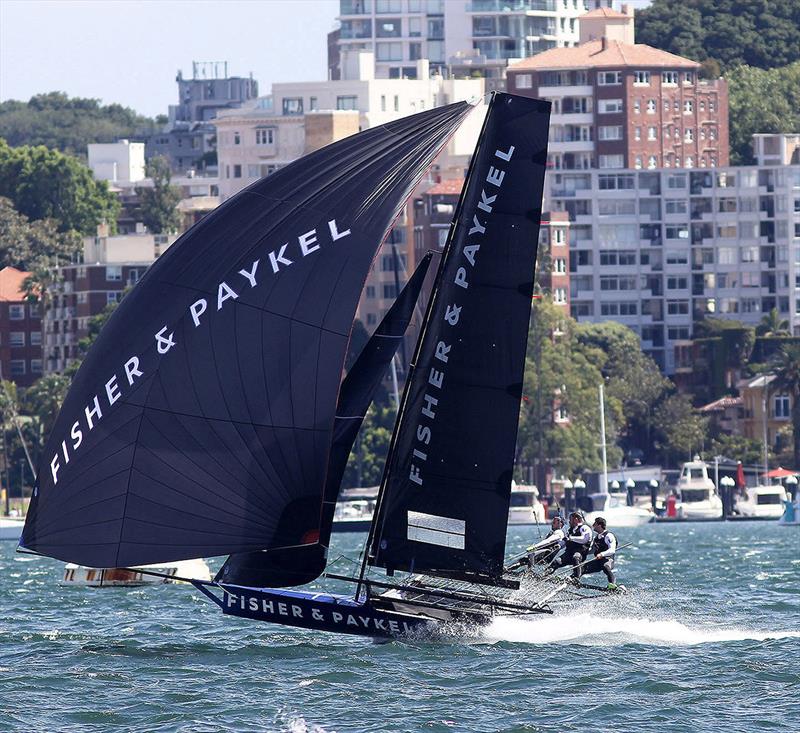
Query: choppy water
(708, 640)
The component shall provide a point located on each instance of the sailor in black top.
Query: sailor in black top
(604, 547)
(578, 541)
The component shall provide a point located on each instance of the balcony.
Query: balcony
(511, 6)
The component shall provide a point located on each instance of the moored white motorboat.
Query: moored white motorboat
(525, 508)
(697, 495)
(762, 501)
(616, 512)
(170, 572)
(11, 528)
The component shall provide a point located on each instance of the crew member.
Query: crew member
(604, 547)
(545, 550)
(578, 542)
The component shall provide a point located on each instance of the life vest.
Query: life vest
(572, 545)
(602, 542)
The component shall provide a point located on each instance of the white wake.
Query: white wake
(597, 629)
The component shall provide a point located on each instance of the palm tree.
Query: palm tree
(786, 366)
(772, 325)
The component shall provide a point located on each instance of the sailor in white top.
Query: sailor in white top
(578, 541)
(605, 548)
(544, 551)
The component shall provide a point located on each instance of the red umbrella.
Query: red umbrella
(740, 475)
(779, 473)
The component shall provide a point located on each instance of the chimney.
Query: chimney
(604, 43)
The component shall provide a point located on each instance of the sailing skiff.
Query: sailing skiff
(210, 417)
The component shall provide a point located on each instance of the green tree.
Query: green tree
(159, 203)
(747, 450)
(365, 466)
(786, 366)
(679, 431)
(69, 125)
(43, 400)
(761, 101)
(760, 33)
(27, 245)
(47, 184)
(773, 325)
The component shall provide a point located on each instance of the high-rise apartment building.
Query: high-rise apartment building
(188, 138)
(659, 250)
(620, 104)
(20, 330)
(458, 37)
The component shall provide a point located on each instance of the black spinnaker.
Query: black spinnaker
(444, 499)
(299, 565)
(201, 420)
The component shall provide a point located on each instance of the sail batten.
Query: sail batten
(218, 375)
(445, 493)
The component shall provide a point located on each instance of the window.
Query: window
(611, 161)
(652, 133)
(652, 161)
(113, 296)
(641, 78)
(16, 312)
(293, 105)
(679, 333)
(389, 290)
(676, 180)
(347, 102)
(609, 106)
(265, 135)
(559, 296)
(637, 133)
(237, 138)
(237, 171)
(372, 319)
(82, 297)
(16, 338)
(313, 106)
(677, 232)
(688, 107)
(637, 106)
(669, 77)
(113, 273)
(17, 367)
(35, 338)
(36, 366)
(610, 132)
(396, 103)
(524, 81)
(678, 307)
(688, 136)
(677, 283)
(781, 405)
(609, 78)
(389, 51)
(370, 291)
(688, 77)
(676, 206)
(651, 106)
(677, 257)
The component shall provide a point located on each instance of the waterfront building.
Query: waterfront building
(619, 104)
(108, 266)
(120, 162)
(659, 250)
(299, 117)
(188, 138)
(20, 330)
(765, 412)
(477, 38)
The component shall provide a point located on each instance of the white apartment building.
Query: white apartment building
(659, 250)
(299, 117)
(119, 162)
(458, 37)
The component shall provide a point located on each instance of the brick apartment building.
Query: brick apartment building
(620, 104)
(20, 331)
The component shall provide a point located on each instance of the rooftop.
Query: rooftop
(593, 54)
(11, 280)
(448, 186)
(603, 13)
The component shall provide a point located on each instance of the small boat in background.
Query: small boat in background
(354, 512)
(614, 509)
(11, 528)
(169, 572)
(697, 495)
(525, 508)
(765, 500)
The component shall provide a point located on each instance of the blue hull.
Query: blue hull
(318, 611)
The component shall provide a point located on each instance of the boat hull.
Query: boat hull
(11, 529)
(320, 612)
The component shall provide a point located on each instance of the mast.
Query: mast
(604, 489)
(412, 364)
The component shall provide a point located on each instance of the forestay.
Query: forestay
(444, 500)
(201, 420)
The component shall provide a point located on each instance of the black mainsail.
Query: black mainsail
(201, 421)
(444, 499)
(299, 565)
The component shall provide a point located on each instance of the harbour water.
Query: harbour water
(708, 639)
